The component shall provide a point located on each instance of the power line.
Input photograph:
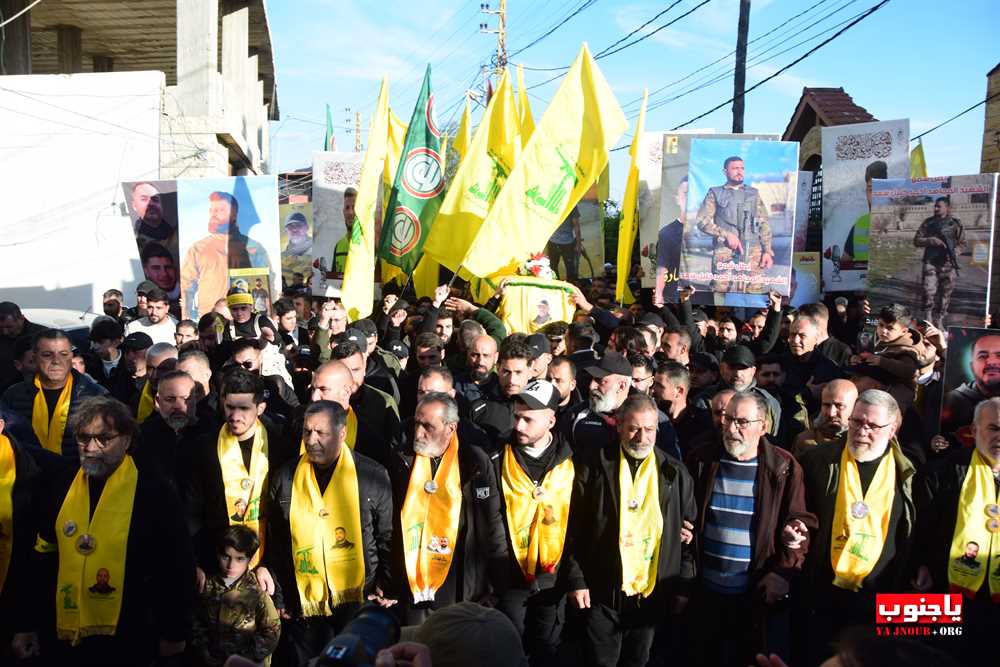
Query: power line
(583, 6)
(805, 55)
(958, 115)
(606, 53)
(15, 16)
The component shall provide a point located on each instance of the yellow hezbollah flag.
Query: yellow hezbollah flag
(529, 303)
(478, 180)
(918, 167)
(358, 291)
(463, 136)
(523, 108)
(564, 157)
(629, 222)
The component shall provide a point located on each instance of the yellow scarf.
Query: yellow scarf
(49, 429)
(92, 554)
(146, 403)
(860, 520)
(8, 473)
(430, 522)
(640, 525)
(328, 573)
(536, 516)
(978, 521)
(244, 488)
(352, 433)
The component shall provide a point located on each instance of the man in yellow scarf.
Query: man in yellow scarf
(329, 533)
(450, 544)
(117, 547)
(536, 472)
(624, 559)
(45, 404)
(958, 531)
(231, 472)
(860, 489)
(20, 488)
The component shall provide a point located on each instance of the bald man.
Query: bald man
(477, 381)
(334, 381)
(836, 403)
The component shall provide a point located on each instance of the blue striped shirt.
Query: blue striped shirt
(727, 535)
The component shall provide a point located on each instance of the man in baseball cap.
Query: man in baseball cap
(297, 231)
(536, 475)
(541, 354)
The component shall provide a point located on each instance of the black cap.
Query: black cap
(356, 336)
(137, 341)
(698, 315)
(652, 319)
(106, 329)
(739, 356)
(611, 364)
(705, 361)
(538, 344)
(540, 395)
(399, 349)
(296, 218)
(366, 326)
(145, 287)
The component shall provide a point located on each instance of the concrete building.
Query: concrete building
(99, 92)
(991, 129)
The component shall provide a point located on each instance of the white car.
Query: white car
(74, 323)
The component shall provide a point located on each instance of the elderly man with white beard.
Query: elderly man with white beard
(625, 562)
(754, 530)
(861, 490)
(596, 425)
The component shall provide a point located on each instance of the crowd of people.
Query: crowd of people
(642, 485)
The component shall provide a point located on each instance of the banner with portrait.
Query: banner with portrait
(661, 238)
(152, 208)
(226, 224)
(739, 225)
(333, 174)
(930, 244)
(971, 375)
(853, 156)
(296, 245)
(805, 279)
(591, 207)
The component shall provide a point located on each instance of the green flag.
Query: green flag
(418, 189)
(330, 143)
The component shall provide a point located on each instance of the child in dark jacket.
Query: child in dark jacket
(235, 616)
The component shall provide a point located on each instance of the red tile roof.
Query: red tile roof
(824, 107)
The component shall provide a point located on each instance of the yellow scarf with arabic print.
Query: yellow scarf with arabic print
(640, 525)
(244, 488)
(977, 523)
(92, 554)
(49, 429)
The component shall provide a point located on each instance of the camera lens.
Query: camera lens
(371, 630)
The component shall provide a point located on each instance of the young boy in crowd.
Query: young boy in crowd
(900, 352)
(235, 616)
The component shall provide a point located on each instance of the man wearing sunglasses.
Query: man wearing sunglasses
(753, 530)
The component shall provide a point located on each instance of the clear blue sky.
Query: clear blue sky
(919, 59)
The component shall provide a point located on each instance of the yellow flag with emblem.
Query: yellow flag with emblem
(463, 136)
(564, 157)
(478, 180)
(358, 290)
(629, 225)
(525, 120)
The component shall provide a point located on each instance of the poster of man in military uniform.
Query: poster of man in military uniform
(929, 247)
(741, 208)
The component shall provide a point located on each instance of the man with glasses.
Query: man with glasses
(861, 490)
(754, 536)
(121, 574)
(46, 404)
(643, 371)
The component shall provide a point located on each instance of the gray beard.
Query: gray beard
(638, 451)
(177, 422)
(603, 404)
(736, 448)
(427, 448)
(95, 468)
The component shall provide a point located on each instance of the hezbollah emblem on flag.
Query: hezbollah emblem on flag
(418, 188)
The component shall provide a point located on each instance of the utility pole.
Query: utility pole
(357, 131)
(740, 74)
(501, 33)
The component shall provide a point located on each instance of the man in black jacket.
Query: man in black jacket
(155, 581)
(478, 568)
(535, 472)
(13, 325)
(939, 494)
(53, 355)
(618, 626)
(324, 433)
(496, 417)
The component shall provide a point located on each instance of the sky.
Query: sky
(919, 59)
